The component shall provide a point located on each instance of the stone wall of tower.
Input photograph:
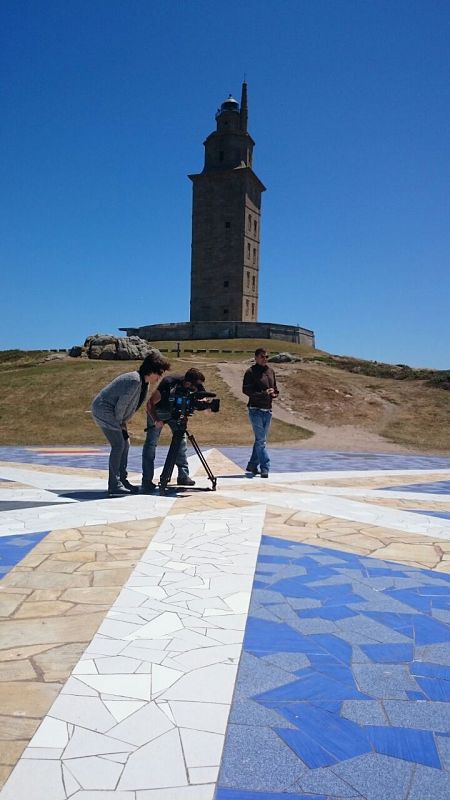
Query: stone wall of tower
(225, 246)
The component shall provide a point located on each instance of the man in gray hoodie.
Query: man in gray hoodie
(114, 406)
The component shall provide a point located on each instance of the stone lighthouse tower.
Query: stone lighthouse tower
(226, 219)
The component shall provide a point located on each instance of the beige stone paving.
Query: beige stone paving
(378, 481)
(51, 605)
(86, 471)
(425, 505)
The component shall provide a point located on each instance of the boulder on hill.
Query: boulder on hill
(284, 358)
(107, 347)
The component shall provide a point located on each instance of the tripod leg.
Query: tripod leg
(203, 460)
(171, 458)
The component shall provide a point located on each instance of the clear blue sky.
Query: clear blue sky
(105, 106)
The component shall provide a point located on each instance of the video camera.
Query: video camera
(183, 402)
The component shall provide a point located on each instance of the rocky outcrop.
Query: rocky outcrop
(107, 347)
(284, 358)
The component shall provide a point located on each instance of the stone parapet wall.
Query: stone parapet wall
(174, 331)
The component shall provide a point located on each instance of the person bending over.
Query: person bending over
(260, 386)
(114, 406)
(158, 414)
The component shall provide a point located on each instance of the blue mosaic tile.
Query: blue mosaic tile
(408, 744)
(14, 548)
(433, 487)
(440, 514)
(435, 689)
(233, 794)
(389, 653)
(339, 737)
(355, 689)
(430, 670)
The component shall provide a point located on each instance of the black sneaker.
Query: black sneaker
(252, 470)
(264, 474)
(118, 491)
(185, 481)
(130, 487)
(148, 487)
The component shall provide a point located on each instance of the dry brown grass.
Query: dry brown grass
(48, 403)
(409, 413)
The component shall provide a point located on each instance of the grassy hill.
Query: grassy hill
(47, 401)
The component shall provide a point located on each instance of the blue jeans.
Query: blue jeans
(118, 458)
(260, 421)
(149, 451)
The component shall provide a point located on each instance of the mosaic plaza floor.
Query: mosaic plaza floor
(281, 638)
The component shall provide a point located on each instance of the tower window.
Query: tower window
(255, 227)
(225, 312)
(226, 284)
(249, 222)
(254, 255)
(248, 279)
(228, 224)
(248, 249)
(247, 306)
(253, 309)
(253, 282)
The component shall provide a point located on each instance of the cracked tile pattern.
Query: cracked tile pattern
(375, 640)
(68, 552)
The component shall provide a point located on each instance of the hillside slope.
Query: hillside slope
(326, 402)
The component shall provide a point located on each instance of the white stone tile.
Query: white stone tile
(202, 657)
(139, 651)
(163, 677)
(200, 716)
(90, 713)
(213, 684)
(93, 795)
(116, 665)
(101, 646)
(160, 627)
(206, 775)
(88, 743)
(71, 784)
(205, 792)
(239, 602)
(50, 753)
(201, 749)
(121, 709)
(94, 773)
(35, 780)
(51, 733)
(168, 768)
(142, 726)
(85, 667)
(135, 687)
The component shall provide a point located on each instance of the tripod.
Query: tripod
(177, 436)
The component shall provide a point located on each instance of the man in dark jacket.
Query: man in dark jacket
(260, 386)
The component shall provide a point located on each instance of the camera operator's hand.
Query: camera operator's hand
(159, 423)
(271, 392)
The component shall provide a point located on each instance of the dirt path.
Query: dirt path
(342, 437)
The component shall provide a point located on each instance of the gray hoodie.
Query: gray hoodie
(118, 401)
